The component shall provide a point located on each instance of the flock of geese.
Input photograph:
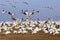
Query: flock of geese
(24, 2)
(20, 26)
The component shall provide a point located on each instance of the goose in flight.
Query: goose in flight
(14, 19)
(25, 3)
(51, 8)
(11, 14)
(3, 11)
(49, 20)
(2, 4)
(25, 12)
(13, 6)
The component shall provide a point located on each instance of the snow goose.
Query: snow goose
(7, 32)
(11, 14)
(35, 30)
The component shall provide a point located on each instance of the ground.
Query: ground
(29, 36)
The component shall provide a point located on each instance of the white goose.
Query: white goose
(7, 32)
(11, 14)
(29, 14)
(3, 11)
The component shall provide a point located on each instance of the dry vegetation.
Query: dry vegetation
(29, 36)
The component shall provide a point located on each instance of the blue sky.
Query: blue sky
(32, 4)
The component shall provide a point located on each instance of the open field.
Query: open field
(29, 36)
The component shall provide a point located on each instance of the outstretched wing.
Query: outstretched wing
(14, 18)
(3, 11)
(24, 12)
(34, 11)
(11, 14)
(51, 8)
(25, 3)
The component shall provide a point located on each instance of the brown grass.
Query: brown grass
(29, 36)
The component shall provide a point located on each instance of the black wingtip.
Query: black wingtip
(3, 10)
(9, 13)
(13, 19)
(38, 11)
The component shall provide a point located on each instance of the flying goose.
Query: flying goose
(25, 12)
(11, 14)
(3, 11)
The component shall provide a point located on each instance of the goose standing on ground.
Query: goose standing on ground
(7, 32)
